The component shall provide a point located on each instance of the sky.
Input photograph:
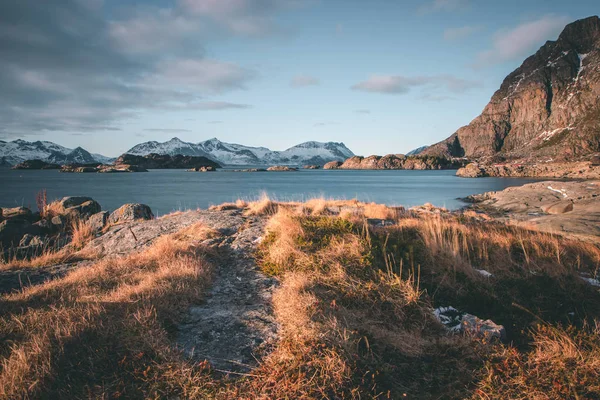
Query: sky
(382, 76)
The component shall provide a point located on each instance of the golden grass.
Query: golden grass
(354, 308)
(108, 323)
(81, 234)
(564, 364)
(263, 206)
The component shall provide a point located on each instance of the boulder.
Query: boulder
(131, 212)
(22, 213)
(458, 321)
(72, 201)
(98, 221)
(311, 167)
(471, 170)
(13, 230)
(202, 169)
(45, 226)
(333, 165)
(280, 168)
(80, 207)
(558, 208)
(58, 222)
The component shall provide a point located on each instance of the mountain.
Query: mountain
(417, 151)
(237, 154)
(19, 150)
(548, 108)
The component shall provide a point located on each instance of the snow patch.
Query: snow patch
(483, 272)
(563, 192)
(581, 58)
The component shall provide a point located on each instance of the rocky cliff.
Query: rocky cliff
(548, 108)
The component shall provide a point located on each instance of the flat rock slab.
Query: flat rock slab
(235, 324)
(133, 236)
(569, 208)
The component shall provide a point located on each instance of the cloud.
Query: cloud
(216, 105)
(462, 32)
(65, 67)
(522, 40)
(324, 123)
(303, 81)
(443, 6)
(363, 111)
(203, 75)
(397, 84)
(167, 130)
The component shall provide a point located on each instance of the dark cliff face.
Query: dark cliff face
(548, 107)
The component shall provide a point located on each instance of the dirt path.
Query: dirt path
(235, 324)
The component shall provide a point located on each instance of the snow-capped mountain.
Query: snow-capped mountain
(19, 150)
(417, 151)
(237, 154)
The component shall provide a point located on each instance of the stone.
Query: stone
(281, 168)
(85, 210)
(131, 212)
(58, 221)
(558, 208)
(13, 230)
(311, 167)
(458, 321)
(17, 213)
(471, 170)
(98, 221)
(202, 169)
(72, 201)
(333, 165)
(45, 226)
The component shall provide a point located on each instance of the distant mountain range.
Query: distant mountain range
(17, 151)
(237, 154)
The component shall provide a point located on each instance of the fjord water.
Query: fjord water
(169, 190)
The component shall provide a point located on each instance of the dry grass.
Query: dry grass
(53, 209)
(263, 206)
(108, 324)
(81, 234)
(238, 205)
(563, 364)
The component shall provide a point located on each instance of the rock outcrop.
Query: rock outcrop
(568, 208)
(393, 161)
(548, 108)
(564, 170)
(36, 164)
(281, 168)
(164, 161)
(130, 212)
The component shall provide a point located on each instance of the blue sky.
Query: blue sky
(381, 76)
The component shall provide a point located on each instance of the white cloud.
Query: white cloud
(303, 81)
(443, 6)
(201, 75)
(522, 40)
(397, 84)
(462, 32)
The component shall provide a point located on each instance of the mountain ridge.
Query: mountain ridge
(548, 108)
(312, 152)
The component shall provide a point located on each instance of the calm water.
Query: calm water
(168, 190)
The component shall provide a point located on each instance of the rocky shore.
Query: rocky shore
(398, 162)
(566, 208)
(563, 170)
